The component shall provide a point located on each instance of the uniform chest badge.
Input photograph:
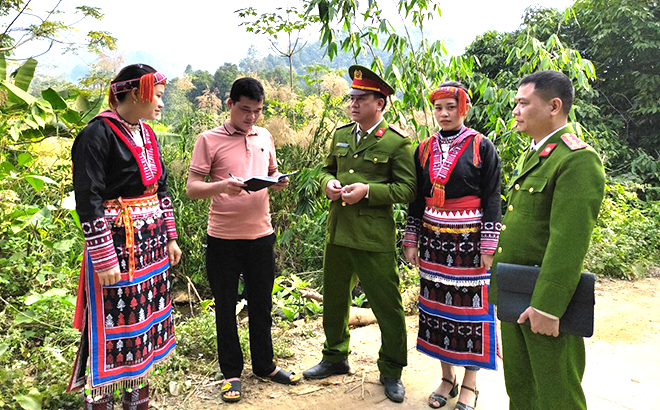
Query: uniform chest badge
(547, 150)
(342, 144)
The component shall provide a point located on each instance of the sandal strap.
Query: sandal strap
(472, 389)
(284, 376)
(233, 385)
(452, 382)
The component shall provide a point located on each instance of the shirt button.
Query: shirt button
(355, 156)
(510, 208)
(343, 203)
(375, 159)
(531, 190)
(499, 250)
(504, 227)
(517, 187)
(350, 171)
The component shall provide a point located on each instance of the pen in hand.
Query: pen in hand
(244, 188)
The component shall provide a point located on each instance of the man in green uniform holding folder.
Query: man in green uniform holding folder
(370, 167)
(554, 198)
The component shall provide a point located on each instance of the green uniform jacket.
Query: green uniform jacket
(552, 207)
(386, 163)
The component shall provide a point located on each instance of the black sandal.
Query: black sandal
(284, 377)
(231, 386)
(463, 406)
(442, 400)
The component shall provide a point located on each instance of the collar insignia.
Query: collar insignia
(547, 150)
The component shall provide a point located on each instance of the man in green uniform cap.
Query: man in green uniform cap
(554, 198)
(370, 168)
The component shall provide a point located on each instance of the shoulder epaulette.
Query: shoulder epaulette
(346, 125)
(573, 142)
(398, 131)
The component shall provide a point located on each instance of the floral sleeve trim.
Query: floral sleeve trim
(168, 216)
(98, 240)
(411, 235)
(490, 235)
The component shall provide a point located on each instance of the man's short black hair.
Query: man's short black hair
(247, 87)
(552, 84)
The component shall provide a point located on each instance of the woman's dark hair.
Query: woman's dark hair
(131, 72)
(247, 87)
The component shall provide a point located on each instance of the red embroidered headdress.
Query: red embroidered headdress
(452, 92)
(144, 84)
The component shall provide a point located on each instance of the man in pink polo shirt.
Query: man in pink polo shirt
(240, 236)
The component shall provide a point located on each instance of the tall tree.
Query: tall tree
(26, 25)
(291, 24)
(223, 78)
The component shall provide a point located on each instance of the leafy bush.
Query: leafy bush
(40, 244)
(626, 240)
(191, 220)
(289, 301)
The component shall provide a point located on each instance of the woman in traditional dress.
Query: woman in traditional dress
(124, 309)
(451, 234)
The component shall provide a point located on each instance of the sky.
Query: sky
(206, 34)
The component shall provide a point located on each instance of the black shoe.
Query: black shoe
(326, 369)
(394, 389)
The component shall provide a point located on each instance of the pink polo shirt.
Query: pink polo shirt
(225, 150)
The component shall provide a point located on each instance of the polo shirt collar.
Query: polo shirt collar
(231, 130)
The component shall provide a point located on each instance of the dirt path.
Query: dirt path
(623, 362)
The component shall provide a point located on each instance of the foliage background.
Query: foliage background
(609, 49)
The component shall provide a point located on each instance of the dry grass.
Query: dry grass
(209, 102)
(283, 94)
(184, 83)
(335, 85)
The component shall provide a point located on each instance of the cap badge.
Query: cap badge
(357, 75)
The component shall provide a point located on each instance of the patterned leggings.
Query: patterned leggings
(135, 399)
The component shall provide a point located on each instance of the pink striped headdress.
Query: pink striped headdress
(144, 84)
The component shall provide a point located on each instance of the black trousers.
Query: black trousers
(226, 260)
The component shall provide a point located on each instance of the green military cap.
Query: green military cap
(366, 81)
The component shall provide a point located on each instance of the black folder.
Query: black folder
(259, 183)
(515, 285)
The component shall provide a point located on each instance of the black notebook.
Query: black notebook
(515, 285)
(258, 183)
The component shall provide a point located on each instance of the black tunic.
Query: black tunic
(104, 168)
(482, 180)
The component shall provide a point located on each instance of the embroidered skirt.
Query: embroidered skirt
(127, 326)
(456, 322)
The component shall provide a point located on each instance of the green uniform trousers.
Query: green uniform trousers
(542, 372)
(377, 271)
